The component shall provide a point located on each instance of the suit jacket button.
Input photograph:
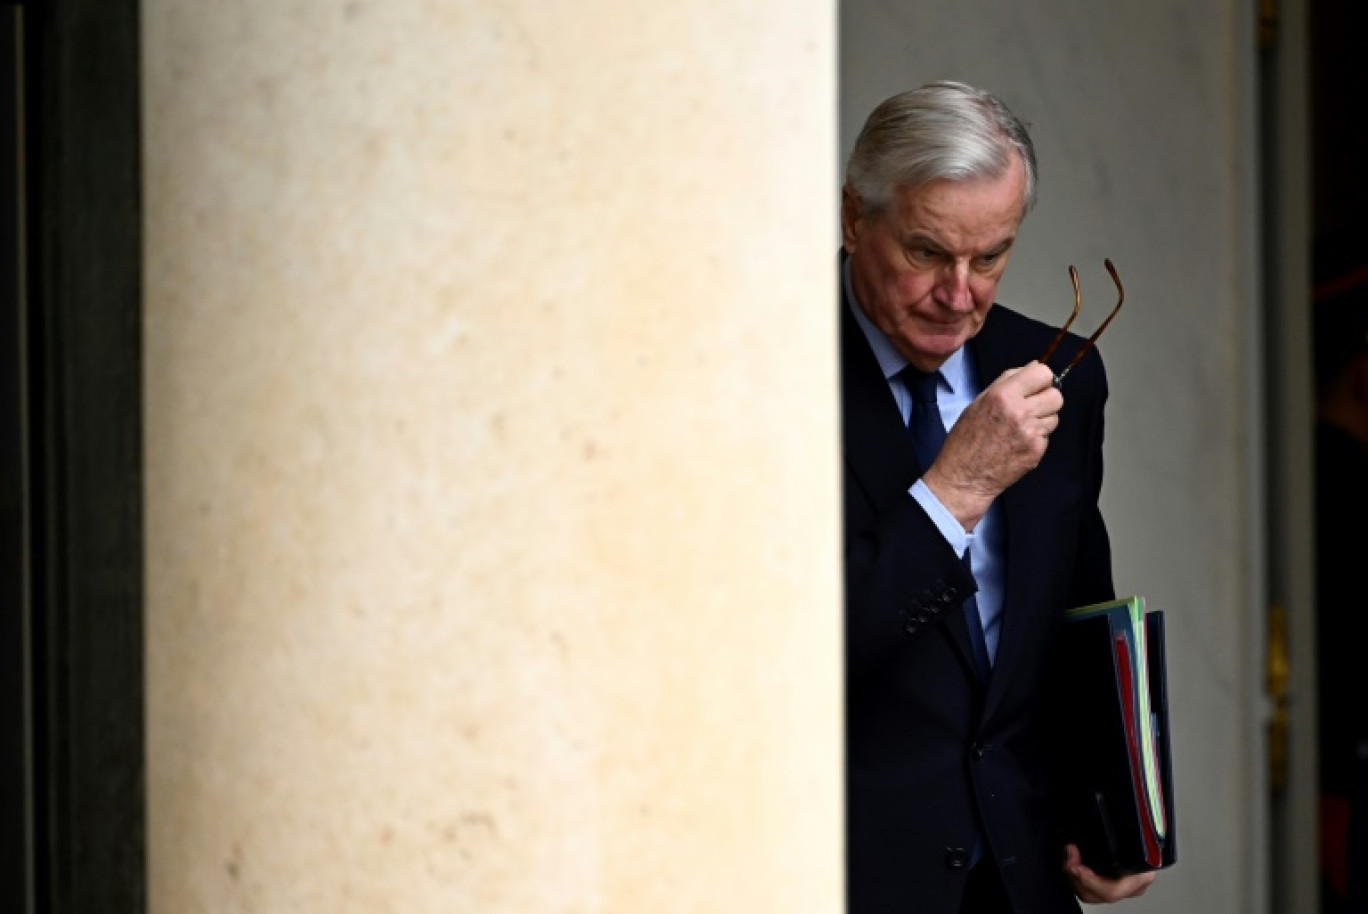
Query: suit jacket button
(957, 858)
(911, 627)
(948, 595)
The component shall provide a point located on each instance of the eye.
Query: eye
(989, 261)
(919, 255)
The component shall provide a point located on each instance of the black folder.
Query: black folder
(1116, 778)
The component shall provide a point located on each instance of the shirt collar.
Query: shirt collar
(955, 371)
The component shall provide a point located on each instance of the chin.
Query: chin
(944, 346)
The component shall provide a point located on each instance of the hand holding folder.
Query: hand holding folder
(1114, 765)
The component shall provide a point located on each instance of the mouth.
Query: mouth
(952, 326)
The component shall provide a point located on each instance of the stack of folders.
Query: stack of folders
(1117, 780)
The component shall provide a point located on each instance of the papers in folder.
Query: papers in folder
(1115, 769)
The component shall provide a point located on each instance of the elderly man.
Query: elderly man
(962, 549)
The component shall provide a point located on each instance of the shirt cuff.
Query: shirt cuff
(945, 522)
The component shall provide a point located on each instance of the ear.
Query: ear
(852, 219)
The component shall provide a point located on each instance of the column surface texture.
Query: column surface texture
(492, 442)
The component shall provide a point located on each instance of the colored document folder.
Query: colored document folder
(1115, 774)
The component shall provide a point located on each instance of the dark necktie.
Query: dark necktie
(928, 434)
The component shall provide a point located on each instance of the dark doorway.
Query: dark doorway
(71, 719)
(1339, 302)
(1339, 146)
(15, 668)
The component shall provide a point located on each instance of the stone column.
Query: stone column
(493, 513)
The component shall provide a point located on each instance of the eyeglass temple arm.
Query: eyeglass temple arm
(1083, 350)
(1078, 302)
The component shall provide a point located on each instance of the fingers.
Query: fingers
(1044, 400)
(1029, 400)
(1033, 385)
(1094, 889)
(1040, 377)
(1000, 437)
(1033, 377)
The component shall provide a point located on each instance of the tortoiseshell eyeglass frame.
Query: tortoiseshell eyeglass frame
(1092, 340)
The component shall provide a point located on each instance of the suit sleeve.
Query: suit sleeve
(1091, 581)
(902, 577)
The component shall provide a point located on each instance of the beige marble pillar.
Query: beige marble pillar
(492, 503)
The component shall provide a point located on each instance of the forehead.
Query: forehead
(974, 213)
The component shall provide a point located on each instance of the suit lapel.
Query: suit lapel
(878, 450)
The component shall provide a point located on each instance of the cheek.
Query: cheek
(984, 291)
(912, 287)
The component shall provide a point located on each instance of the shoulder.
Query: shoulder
(1010, 338)
(1011, 330)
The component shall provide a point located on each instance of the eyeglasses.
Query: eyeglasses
(1078, 301)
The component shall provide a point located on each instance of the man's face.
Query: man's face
(926, 270)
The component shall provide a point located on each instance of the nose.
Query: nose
(952, 287)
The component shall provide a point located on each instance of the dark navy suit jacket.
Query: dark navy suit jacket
(934, 755)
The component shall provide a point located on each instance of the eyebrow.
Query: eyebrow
(918, 239)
